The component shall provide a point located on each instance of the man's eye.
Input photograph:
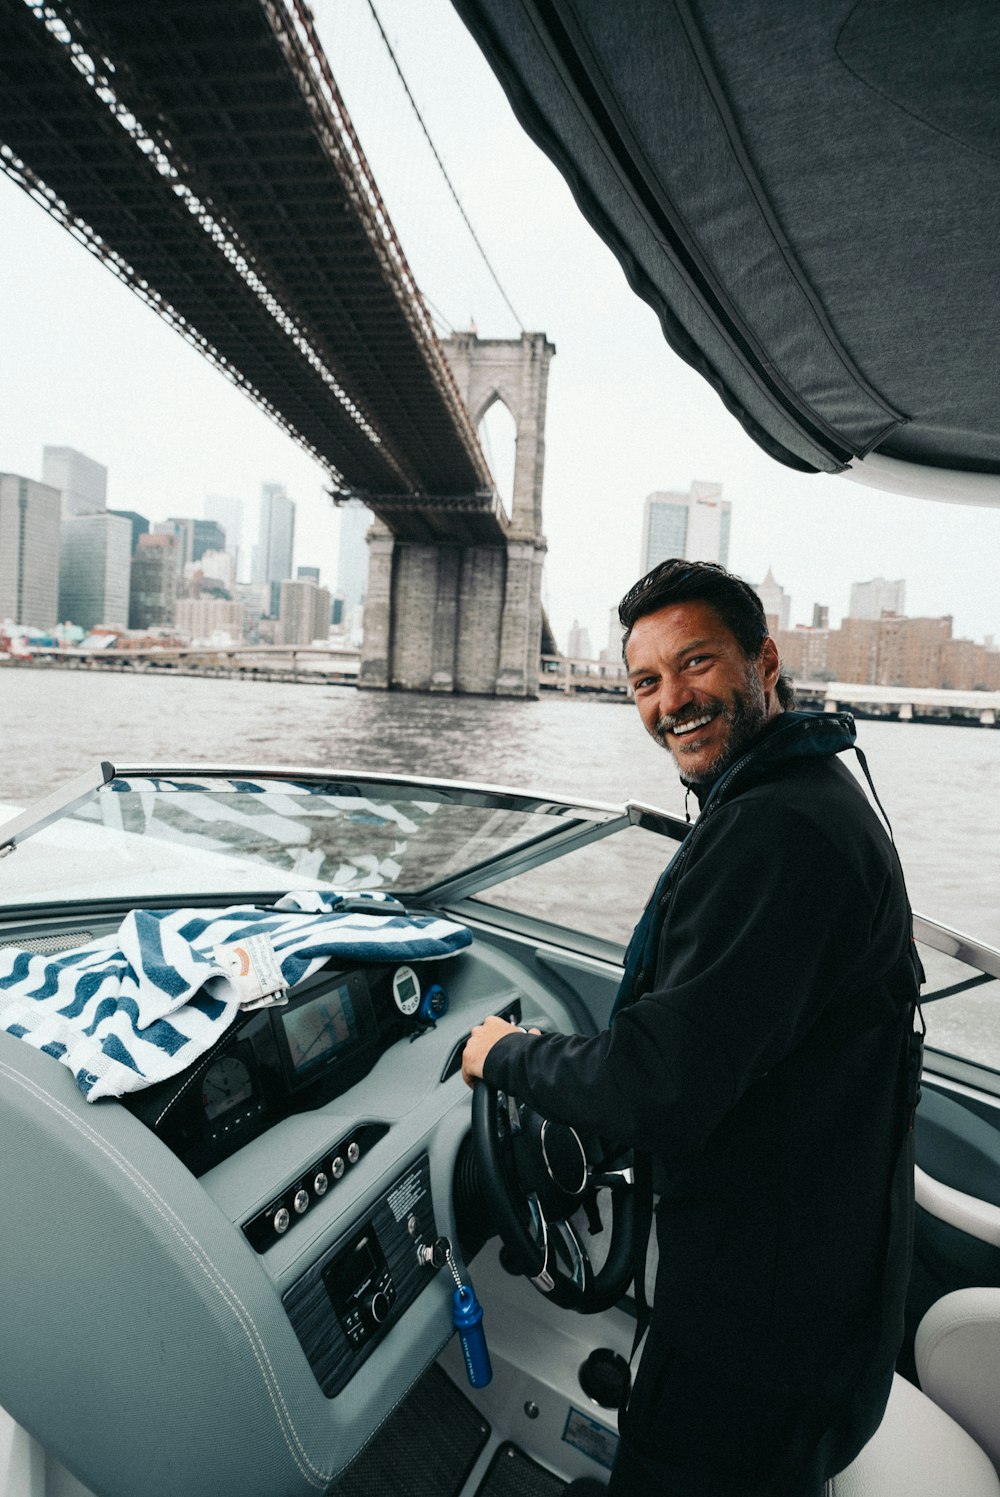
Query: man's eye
(642, 681)
(699, 659)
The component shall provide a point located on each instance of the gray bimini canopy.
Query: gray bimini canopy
(806, 191)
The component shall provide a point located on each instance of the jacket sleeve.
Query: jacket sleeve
(767, 924)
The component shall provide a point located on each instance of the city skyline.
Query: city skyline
(625, 416)
(89, 528)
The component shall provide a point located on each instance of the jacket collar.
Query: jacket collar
(790, 735)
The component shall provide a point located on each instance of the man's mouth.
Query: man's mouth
(689, 724)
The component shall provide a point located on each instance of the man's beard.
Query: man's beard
(745, 713)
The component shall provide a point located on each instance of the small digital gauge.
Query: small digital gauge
(406, 990)
(226, 1084)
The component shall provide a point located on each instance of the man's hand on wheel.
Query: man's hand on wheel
(481, 1042)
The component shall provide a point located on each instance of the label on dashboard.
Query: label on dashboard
(407, 1193)
(252, 967)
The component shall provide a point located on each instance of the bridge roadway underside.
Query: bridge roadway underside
(200, 148)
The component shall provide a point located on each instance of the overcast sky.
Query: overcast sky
(83, 363)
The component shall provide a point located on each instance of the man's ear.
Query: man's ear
(769, 664)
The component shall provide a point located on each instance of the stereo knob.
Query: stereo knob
(379, 1307)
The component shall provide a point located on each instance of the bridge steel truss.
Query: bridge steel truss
(201, 149)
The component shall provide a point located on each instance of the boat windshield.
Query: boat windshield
(188, 834)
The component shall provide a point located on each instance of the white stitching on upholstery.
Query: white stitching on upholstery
(223, 1288)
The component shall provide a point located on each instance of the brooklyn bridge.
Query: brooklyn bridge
(201, 149)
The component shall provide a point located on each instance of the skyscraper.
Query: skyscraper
(29, 551)
(94, 566)
(869, 600)
(82, 483)
(277, 534)
(579, 647)
(352, 556)
(139, 523)
(694, 525)
(777, 603)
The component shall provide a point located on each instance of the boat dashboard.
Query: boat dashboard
(252, 1236)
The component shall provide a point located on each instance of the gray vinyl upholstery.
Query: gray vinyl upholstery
(958, 1362)
(918, 1451)
(144, 1342)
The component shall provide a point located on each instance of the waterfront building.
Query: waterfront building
(304, 614)
(853, 651)
(29, 551)
(777, 603)
(139, 524)
(253, 598)
(153, 592)
(82, 483)
(895, 651)
(95, 557)
(910, 651)
(210, 620)
(695, 525)
(805, 652)
(869, 600)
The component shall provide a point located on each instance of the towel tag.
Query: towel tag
(253, 968)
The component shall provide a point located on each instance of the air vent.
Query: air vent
(51, 942)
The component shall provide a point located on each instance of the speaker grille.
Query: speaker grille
(51, 942)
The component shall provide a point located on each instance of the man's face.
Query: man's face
(698, 695)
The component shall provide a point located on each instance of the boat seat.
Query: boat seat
(917, 1451)
(958, 1362)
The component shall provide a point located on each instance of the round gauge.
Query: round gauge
(406, 990)
(226, 1083)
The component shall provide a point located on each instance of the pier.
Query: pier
(339, 665)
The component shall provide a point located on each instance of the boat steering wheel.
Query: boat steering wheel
(536, 1175)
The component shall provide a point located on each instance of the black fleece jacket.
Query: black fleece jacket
(761, 1064)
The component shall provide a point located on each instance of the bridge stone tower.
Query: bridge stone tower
(467, 618)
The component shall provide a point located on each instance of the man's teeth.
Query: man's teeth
(689, 727)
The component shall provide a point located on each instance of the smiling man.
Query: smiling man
(761, 1050)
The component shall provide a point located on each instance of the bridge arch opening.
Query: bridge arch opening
(497, 431)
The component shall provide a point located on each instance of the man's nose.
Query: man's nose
(674, 695)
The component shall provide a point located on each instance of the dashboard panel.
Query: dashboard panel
(288, 1058)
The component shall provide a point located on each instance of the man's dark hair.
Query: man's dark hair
(736, 603)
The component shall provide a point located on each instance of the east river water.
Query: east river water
(939, 785)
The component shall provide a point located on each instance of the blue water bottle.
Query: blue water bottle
(467, 1318)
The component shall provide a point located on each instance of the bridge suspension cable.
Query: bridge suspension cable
(441, 166)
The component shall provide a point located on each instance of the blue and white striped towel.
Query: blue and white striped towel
(140, 1005)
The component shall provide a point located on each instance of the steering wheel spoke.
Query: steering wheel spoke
(536, 1174)
(569, 1246)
